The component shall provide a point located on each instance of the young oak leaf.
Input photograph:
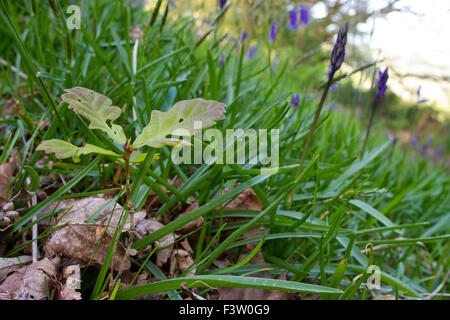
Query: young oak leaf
(96, 108)
(63, 149)
(180, 118)
(137, 156)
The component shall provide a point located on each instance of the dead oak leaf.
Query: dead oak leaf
(29, 282)
(6, 173)
(247, 200)
(192, 225)
(180, 261)
(68, 290)
(145, 227)
(8, 265)
(78, 239)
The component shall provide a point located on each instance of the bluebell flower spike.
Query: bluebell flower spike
(222, 4)
(304, 14)
(273, 35)
(293, 21)
(338, 53)
(382, 84)
(295, 101)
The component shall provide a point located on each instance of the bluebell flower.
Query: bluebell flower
(382, 87)
(304, 14)
(222, 4)
(295, 101)
(419, 101)
(206, 21)
(293, 21)
(437, 154)
(221, 60)
(332, 106)
(172, 4)
(252, 52)
(241, 39)
(414, 140)
(338, 53)
(243, 36)
(425, 146)
(394, 139)
(272, 35)
(334, 86)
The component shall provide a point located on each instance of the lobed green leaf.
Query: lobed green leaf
(179, 120)
(96, 108)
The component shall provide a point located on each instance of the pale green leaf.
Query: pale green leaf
(137, 156)
(90, 148)
(63, 149)
(96, 108)
(180, 118)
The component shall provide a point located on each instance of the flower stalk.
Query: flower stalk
(382, 87)
(337, 57)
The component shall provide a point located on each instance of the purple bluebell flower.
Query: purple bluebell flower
(338, 53)
(293, 21)
(437, 154)
(243, 36)
(222, 4)
(206, 21)
(295, 101)
(382, 87)
(419, 101)
(334, 86)
(236, 43)
(414, 140)
(332, 106)
(304, 14)
(252, 52)
(221, 60)
(173, 5)
(394, 139)
(272, 35)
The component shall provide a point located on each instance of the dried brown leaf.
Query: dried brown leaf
(78, 239)
(247, 200)
(6, 173)
(180, 261)
(8, 265)
(28, 283)
(194, 224)
(146, 226)
(73, 281)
